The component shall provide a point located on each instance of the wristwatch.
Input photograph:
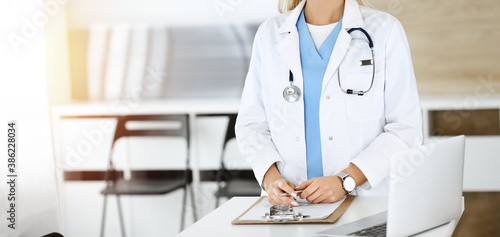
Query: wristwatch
(348, 182)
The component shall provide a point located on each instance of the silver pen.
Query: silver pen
(288, 195)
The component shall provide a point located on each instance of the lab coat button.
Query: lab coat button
(297, 138)
(327, 97)
(297, 178)
(330, 138)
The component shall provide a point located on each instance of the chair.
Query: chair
(234, 182)
(53, 234)
(148, 182)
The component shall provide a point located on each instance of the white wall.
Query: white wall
(82, 13)
(23, 99)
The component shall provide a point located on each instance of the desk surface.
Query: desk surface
(218, 222)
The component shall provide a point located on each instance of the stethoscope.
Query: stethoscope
(292, 93)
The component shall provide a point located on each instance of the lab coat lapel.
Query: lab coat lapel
(340, 49)
(351, 19)
(290, 52)
(288, 47)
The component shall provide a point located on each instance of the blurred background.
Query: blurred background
(74, 70)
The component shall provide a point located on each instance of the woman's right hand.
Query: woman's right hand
(281, 186)
(275, 185)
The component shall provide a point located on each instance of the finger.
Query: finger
(274, 197)
(289, 201)
(285, 187)
(325, 197)
(305, 184)
(322, 192)
(309, 191)
(332, 199)
(292, 185)
(321, 199)
(270, 199)
(314, 197)
(277, 200)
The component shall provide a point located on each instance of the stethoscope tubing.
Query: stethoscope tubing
(348, 91)
(359, 93)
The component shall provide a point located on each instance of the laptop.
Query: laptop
(425, 192)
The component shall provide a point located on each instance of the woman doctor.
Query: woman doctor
(324, 104)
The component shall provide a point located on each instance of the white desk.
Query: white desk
(218, 222)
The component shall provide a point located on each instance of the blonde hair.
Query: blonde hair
(288, 5)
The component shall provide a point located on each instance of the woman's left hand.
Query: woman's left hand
(326, 189)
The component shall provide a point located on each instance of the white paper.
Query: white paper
(315, 211)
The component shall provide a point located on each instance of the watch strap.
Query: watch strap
(342, 175)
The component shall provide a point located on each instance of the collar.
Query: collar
(351, 19)
(307, 44)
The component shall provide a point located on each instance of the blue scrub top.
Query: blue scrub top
(314, 63)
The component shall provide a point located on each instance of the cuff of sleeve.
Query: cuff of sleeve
(261, 169)
(374, 161)
(360, 164)
(262, 162)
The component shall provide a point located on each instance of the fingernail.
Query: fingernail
(295, 203)
(294, 194)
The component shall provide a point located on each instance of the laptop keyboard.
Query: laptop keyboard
(377, 231)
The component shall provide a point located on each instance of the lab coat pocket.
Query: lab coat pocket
(369, 106)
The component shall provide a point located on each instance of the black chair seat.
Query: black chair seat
(143, 187)
(240, 188)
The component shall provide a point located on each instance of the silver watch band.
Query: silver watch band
(342, 175)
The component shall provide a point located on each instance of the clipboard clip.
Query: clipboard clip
(283, 213)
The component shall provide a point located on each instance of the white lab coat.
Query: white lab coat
(363, 130)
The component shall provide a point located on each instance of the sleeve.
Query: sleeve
(252, 129)
(403, 116)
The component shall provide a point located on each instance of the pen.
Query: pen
(288, 195)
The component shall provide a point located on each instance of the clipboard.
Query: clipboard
(329, 220)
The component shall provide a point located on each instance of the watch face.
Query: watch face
(349, 184)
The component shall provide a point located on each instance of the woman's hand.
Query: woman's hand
(281, 186)
(326, 189)
(275, 185)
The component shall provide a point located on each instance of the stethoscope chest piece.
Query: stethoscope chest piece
(291, 93)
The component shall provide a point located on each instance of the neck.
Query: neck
(323, 12)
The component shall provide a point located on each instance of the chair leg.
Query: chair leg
(217, 195)
(103, 220)
(120, 214)
(193, 203)
(183, 214)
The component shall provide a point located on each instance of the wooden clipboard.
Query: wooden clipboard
(329, 220)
